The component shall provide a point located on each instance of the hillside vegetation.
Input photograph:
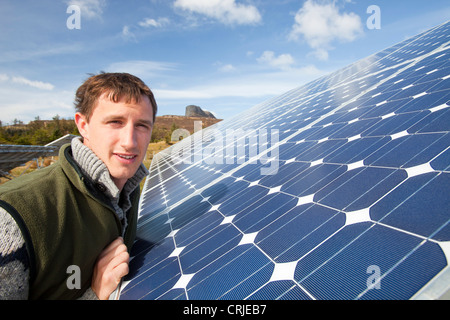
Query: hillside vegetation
(42, 132)
(37, 132)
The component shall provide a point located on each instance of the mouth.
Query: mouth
(126, 157)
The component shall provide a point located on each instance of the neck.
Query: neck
(95, 169)
(120, 183)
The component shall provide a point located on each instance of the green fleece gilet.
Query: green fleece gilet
(65, 221)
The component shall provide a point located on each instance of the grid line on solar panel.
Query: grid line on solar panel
(348, 193)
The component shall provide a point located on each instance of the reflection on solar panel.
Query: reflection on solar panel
(336, 190)
(58, 143)
(12, 156)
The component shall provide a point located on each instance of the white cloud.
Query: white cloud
(35, 84)
(251, 84)
(142, 68)
(283, 61)
(90, 9)
(127, 34)
(149, 22)
(131, 33)
(226, 11)
(227, 68)
(42, 50)
(322, 24)
(43, 103)
(234, 92)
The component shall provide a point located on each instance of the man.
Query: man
(77, 218)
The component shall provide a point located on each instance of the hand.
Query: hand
(111, 266)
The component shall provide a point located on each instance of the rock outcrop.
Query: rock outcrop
(196, 111)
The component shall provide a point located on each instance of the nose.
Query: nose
(128, 138)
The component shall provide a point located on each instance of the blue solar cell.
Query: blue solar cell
(299, 231)
(425, 102)
(243, 200)
(409, 150)
(421, 266)
(417, 205)
(197, 229)
(319, 150)
(356, 150)
(225, 277)
(148, 264)
(263, 213)
(441, 162)
(325, 131)
(360, 126)
(355, 206)
(347, 269)
(191, 209)
(444, 84)
(156, 228)
(359, 188)
(156, 281)
(313, 179)
(414, 90)
(394, 124)
(284, 174)
(290, 150)
(216, 242)
(438, 121)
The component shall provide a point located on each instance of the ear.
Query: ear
(82, 124)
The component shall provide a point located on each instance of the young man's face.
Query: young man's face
(119, 134)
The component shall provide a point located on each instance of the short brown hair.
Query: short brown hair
(116, 86)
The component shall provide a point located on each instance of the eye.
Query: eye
(144, 125)
(115, 123)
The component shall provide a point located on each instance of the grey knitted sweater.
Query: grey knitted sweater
(14, 264)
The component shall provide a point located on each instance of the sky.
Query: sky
(223, 55)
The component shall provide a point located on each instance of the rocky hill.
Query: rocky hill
(196, 111)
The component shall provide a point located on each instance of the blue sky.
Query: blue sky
(223, 55)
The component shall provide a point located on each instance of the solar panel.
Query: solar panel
(58, 143)
(338, 189)
(12, 156)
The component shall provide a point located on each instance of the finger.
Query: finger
(112, 246)
(110, 252)
(114, 279)
(120, 271)
(122, 257)
(114, 258)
